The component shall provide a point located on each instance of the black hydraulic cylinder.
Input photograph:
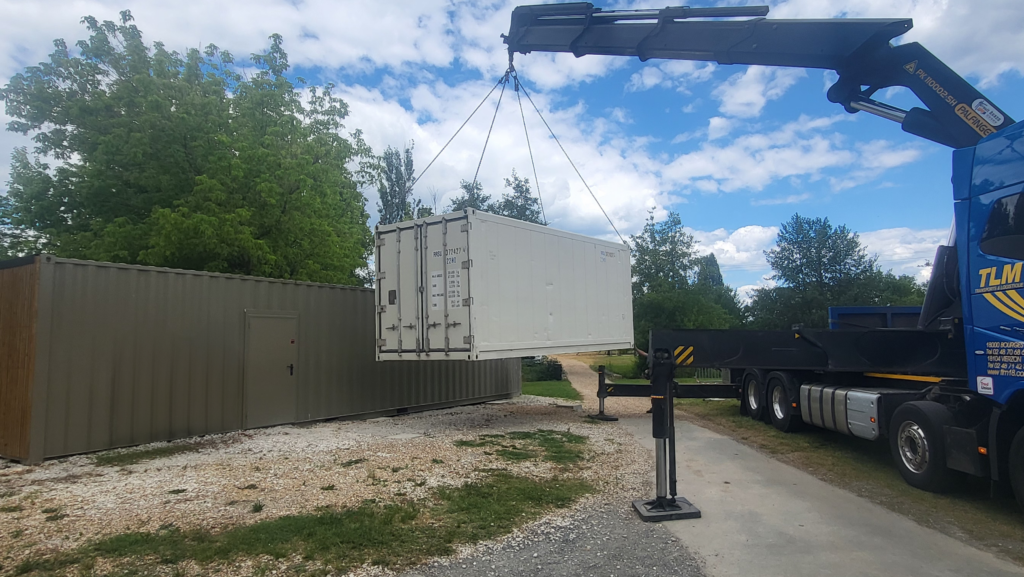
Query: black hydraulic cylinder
(661, 395)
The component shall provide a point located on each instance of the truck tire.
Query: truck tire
(753, 396)
(784, 416)
(1017, 467)
(917, 443)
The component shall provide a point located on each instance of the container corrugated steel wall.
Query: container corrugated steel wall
(137, 354)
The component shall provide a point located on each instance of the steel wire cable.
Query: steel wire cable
(431, 163)
(573, 164)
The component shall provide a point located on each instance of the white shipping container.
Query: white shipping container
(472, 285)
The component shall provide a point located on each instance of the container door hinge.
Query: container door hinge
(382, 343)
(464, 228)
(382, 308)
(467, 340)
(380, 241)
(467, 263)
(381, 275)
(467, 302)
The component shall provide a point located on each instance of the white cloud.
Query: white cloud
(691, 106)
(672, 73)
(790, 199)
(741, 249)
(647, 78)
(746, 292)
(904, 250)
(317, 32)
(752, 161)
(980, 39)
(745, 94)
(620, 115)
(719, 126)
(873, 159)
(617, 167)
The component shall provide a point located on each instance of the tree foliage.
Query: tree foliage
(673, 286)
(519, 204)
(177, 160)
(395, 186)
(472, 197)
(818, 265)
(664, 256)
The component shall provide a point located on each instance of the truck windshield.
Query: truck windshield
(1004, 231)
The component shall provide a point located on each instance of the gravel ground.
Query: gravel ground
(390, 458)
(602, 536)
(603, 539)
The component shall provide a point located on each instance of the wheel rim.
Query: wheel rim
(778, 403)
(752, 400)
(913, 447)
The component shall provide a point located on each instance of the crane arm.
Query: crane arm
(859, 50)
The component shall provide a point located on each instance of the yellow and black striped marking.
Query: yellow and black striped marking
(684, 355)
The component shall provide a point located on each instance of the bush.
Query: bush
(638, 369)
(544, 369)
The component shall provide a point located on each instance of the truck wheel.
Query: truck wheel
(780, 408)
(918, 446)
(753, 398)
(1017, 467)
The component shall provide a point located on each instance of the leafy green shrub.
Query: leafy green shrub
(545, 369)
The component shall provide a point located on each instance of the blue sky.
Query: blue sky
(735, 150)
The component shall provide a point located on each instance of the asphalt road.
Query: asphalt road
(605, 541)
(761, 517)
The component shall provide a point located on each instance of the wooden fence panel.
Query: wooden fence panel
(18, 312)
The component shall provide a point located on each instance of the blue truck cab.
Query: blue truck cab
(988, 192)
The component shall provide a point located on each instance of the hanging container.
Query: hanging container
(471, 285)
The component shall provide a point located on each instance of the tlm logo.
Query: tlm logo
(991, 277)
(912, 67)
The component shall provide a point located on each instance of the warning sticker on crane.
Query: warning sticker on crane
(988, 112)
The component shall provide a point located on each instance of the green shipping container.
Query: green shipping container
(97, 355)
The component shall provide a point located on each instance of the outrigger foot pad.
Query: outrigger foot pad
(665, 509)
(600, 417)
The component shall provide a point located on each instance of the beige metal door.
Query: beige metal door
(271, 368)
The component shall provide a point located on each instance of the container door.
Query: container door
(271, 373)
(447, 299)
(399, 279)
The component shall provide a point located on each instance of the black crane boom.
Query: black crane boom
(859, 50)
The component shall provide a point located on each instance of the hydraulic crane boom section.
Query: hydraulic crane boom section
(858, 49)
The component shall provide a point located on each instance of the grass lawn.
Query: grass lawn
(555, 389)
(618, 364)
(342, 539)
(865, 468)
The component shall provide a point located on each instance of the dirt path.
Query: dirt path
(584, 380)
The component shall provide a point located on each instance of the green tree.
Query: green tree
(177, 160)
(812, 254)
(419, 210)
(472, 197)
(818, 265)
(14, 242)
(669, 289)
(708, 272)
(663, 255)
(395, 186)
(519, 204)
